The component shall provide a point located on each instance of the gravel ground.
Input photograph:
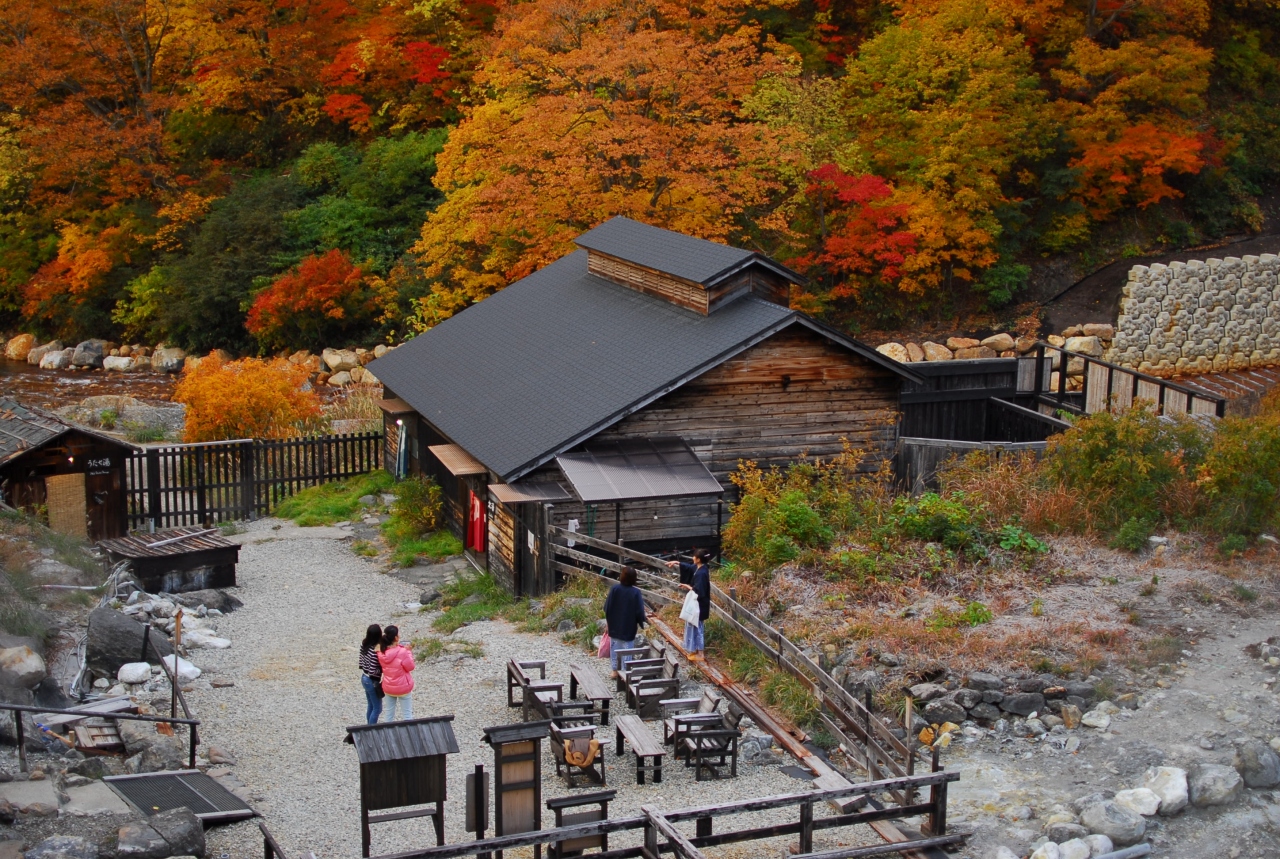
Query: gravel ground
(296, 686)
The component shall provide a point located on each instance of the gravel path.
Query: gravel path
(307, 600)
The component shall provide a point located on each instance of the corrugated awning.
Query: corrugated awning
(397, 741)
(457, 460)
(636, 469)
(519, 493)
(395, 406)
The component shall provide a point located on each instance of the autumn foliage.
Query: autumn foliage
(325, 299)
(263, 174)
(250, 398)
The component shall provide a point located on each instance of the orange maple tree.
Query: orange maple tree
(321, 300)
(250, 398)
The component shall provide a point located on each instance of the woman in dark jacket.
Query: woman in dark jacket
(697, 578)
(624, 613)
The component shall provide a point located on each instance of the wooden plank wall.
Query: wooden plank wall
(648, 281)
(502, 552)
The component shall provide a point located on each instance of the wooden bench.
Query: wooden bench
(572, 810)
(593, 687)
(648, 684)
(643, 745)
(683, 708)
(565, 730)
(537, 692)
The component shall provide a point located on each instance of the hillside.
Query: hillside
(263, 175)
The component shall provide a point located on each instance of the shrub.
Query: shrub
(250, 398)
(1240, 476)
(418, 504)
(325, 299)
(1132, 535)
(107, 419)
(1232, 545)
(949, 521)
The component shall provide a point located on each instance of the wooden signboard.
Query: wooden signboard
(517, 778)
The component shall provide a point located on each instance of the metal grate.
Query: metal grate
(152, 793)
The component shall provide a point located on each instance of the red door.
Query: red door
(477, 525)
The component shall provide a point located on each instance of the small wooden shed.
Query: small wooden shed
(175, 560)
(403, 764)
(75, 474)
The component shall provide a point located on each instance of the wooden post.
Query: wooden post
(173, 680)
(153, 485)
(938, 812)
(806, 827)
(911, 749)
(703, 827)
(22, 742)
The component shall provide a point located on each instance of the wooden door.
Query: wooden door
(66, 501)
(105, 500)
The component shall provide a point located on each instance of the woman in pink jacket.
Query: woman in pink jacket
(397, 674)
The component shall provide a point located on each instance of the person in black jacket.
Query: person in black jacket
(624, 613)
(697, 578)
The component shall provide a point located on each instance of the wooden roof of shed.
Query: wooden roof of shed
(26, 428)
(140, 545)
(399, 741)
(457, 460)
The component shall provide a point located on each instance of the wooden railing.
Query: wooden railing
(198, 484)
(866, 739)
(1105, 387)
(659, 834)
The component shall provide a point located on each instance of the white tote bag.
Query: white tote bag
(689, 611)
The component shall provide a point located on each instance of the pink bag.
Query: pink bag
(605, 646)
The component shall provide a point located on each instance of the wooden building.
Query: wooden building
(615, 391)
(75, 474)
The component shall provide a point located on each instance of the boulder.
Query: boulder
(1257, 764)
(1022, 703)
(936, 351)
(944, 710)
(209, 598)
(985, 712)
(339, 380)
(357, 375)
(166, 754)
(370, 379)
(925, 692)
(168, 359)
(1047, 851)
(1076, 848)
(338, 360)
(915, 352)
(1100, 330)
(1170, 785)
(115, 639)
(1080, 689)
(220, 356)
(1096, 719)
(59, 359)
(19, 347)
(118, 365)
(1213, 784)
(379, 350)
(186, 671)
(954, 343)
(90, 353)
(181, 829)
(1071, 716)
(1122, 826)
(967, 698)
(1140, 799)
(999, 342)
(982, 681)
(1090, 346)
(134, 672)
(138, 840)
(201, 639)
(21, 666)
(1025, 345)
(63, 847)
(38, 353)
(896, 351)
(973, 353)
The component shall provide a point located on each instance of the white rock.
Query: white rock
(1099, 845)
(1170, 785)
(896, 351)
(1107, 707)
(1047, 851)
(1076, 848)
(1006, 853)
(163, 608)
(1094, 719)
(22, 666)
(1090, 346)
(1140, 799)
(134, 672)
(117, 690)
(102, 683)
(119, 365)
(338, 360)
(186, 671)
(201, 639)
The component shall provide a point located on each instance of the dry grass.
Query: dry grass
(1013, 491)
(357, 408)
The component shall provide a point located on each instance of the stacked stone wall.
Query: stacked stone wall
(1219, 314)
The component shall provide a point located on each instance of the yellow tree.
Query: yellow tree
(595, 109)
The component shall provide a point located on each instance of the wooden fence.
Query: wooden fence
(196, 484)
(1105, 387)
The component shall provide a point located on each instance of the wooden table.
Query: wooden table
(643, 744)
(593, 689)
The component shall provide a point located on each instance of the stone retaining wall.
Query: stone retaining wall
(1220, 314)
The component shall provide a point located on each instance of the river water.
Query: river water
(52, 389)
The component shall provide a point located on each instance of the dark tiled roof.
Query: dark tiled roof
(397, 741)
(23, 428)
(685, 257)
(559, 355)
